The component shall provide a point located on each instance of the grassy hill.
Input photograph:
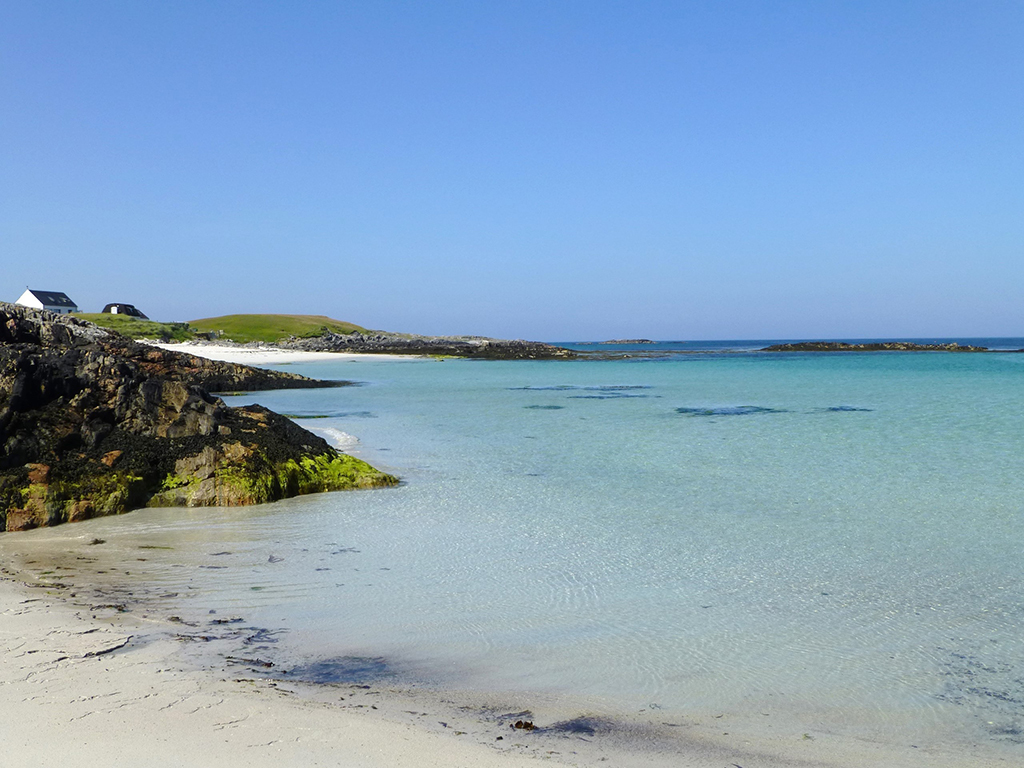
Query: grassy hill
(270, 328)
(139, 329)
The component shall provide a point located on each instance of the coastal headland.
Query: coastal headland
(317, 334)
(93, 423)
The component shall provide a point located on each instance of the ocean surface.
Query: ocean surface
(836, 539)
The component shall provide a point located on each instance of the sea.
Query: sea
(696, 529)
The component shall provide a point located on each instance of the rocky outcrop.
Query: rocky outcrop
(92, 424)
(24, 326)
(883, 346)
(404, 344)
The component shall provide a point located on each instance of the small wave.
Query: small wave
(845, 409)
(729, 410)
(544, 407)
(343, 441)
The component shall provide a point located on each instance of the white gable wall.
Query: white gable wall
(28, 299)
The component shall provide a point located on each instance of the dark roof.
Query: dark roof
(125, 309)
(53, 298)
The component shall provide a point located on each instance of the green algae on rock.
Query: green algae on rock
(242, 476)
(92, 424)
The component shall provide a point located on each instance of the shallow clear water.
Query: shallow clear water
(834, 537)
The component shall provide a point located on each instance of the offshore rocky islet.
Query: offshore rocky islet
(875, 346)
(93, 423)
(380, 342)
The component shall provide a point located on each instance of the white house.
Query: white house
(54, 301)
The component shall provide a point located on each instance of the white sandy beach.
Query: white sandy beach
(90, 687)
(266, 354)
(94, 684)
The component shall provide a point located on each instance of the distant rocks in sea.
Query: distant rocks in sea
(627, 341)
(380, 342)
(880, 346)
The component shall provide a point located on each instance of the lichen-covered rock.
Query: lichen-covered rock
(94, 424)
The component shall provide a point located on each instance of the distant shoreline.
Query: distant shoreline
(264, 354)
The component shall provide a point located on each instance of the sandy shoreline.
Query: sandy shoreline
(268, 354)
(108, 669)
(111, 688)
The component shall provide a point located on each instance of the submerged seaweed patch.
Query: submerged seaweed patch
(581, 726)
(729, 410)
(334, 415)
(609, 396)
(344, 669)
(601, 392)
(573, 387)
(261, 636)
(987, 681)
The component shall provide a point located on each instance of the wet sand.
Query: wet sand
(101, 670)
(91, 686)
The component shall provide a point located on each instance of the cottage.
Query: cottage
(53, 301)
(124, 309)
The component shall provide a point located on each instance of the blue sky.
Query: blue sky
(547, 170)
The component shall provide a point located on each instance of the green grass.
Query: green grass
(270, 328)
(240, 328)
(139, 329)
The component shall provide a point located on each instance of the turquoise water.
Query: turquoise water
(834, 538)
(586, 527)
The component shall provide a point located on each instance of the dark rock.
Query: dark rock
(404, 344)
(92, 423)
(882, 346)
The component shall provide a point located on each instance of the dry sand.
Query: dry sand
(267, 354)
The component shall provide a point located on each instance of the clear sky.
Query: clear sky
(552, 170)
